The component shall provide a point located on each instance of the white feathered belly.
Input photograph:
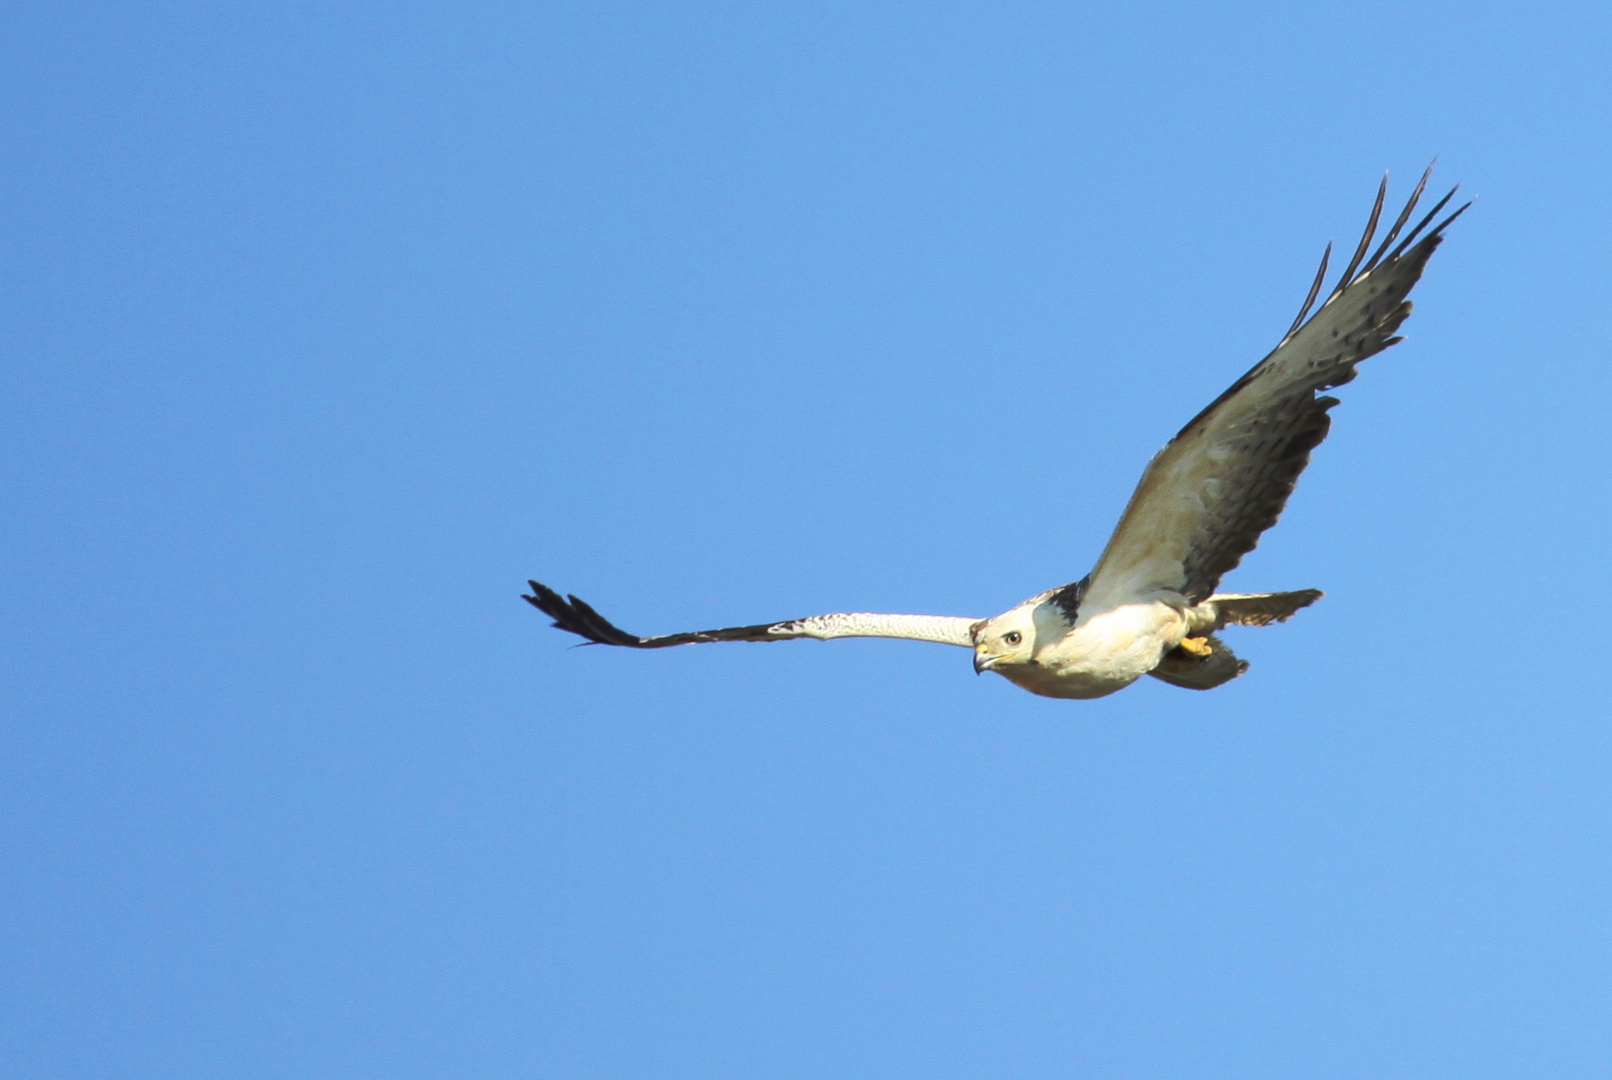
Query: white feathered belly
(1104, 653)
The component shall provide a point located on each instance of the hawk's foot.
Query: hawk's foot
(1198, 647)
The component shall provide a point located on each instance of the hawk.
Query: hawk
(1149, 607)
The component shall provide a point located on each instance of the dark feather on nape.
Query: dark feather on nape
(1315, 290)
(1420, 225)
(1069, 597)
(1365, 239)
(1404, 216)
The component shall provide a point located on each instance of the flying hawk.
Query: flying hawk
(1150, 606)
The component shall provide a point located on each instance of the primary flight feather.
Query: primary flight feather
(1150, 606)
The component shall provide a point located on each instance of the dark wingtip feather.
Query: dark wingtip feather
(1349, 275)
(600, 628)
(1410, 237)
(1315, 290)
(1365, 239)
(576, 617)
(546, 600)
(1441, 226)
(1404, 216)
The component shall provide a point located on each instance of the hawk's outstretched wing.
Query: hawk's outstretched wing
(1223, 480)
(572, 614)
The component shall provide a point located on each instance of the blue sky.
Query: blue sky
(327, 325)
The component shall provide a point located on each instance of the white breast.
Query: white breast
(1103, 652)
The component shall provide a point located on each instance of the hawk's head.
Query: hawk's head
(1005, 640)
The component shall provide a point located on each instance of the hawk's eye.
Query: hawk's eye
(1013, 638)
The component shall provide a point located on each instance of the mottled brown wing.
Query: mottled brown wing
(1224, 479)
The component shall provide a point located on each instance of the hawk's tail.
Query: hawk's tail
(1256, 609)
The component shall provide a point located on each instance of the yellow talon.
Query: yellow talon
(1197, 646)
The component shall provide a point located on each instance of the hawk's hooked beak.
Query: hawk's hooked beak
(983, 663)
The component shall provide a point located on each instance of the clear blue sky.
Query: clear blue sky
(326, 325)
